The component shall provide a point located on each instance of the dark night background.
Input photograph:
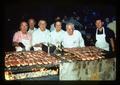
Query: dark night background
(16, 11)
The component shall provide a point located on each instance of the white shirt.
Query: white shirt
(39, 36)
(75, 40)
(112, 26)
(30, 31)
(57, 37)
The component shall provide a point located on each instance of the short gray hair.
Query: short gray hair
(70, 24)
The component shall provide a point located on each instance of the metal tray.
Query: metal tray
(23, 69)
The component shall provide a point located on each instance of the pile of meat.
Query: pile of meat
(29, 58)
(84, 53)
(42, 58)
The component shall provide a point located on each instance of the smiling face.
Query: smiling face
(42, 25)
(70, 29)
(31, 23)
(99, 24)
(58, 26)
(23, 27)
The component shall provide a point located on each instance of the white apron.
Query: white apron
(26, 43)
(101, 41)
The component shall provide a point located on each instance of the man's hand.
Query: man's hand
(112, 44)
(113, 50)
(32, 49)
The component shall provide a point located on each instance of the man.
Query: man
(72, 38)
(103, 36)
(57, 34)
(52, 26)
(21, 39)
(32, 28)
(41, 35)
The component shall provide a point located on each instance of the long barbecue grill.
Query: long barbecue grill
(34, 64)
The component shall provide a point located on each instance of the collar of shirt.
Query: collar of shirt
(42, 31)
(100, 32)
(31, 29)
(59, 31)
(24, 36)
